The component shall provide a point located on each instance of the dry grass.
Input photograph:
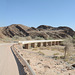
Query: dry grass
(41, 53)
(34, 49)
(56, 54)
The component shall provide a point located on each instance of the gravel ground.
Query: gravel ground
(46, 65)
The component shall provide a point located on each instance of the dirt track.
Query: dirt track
(8, 65)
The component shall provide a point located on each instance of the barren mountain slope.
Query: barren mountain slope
(42, 31)
(48, 31)
(15, 29)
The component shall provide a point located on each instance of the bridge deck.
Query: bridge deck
(34, 41)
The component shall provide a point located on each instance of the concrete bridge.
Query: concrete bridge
(40, 43)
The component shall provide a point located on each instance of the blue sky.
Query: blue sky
(33, 13)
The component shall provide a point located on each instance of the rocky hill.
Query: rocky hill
(15, 29)
(45, 32)
(42, 31)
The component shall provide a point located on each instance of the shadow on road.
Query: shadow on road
(20, 67)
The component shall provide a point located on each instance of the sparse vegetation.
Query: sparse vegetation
(61, 57)
(56, 53)
(39, 38)
(50, 38)
(21, 38)
(68, 47)
(34, 49)
(28, 38)
(48, 48)
(74, 39)
(41, 53)
(56, 57)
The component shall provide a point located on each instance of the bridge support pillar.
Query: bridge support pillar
(45, 44)
(57, 42)
(39, 44)
(32, 45)
(49, 43)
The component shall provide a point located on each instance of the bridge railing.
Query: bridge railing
(23, 61)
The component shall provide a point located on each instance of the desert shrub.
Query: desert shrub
(50, 38)
(68, 43)
(48, 48)
(41, 53)
(56, 54)
(61, 57)
(21, 38)
(34, 49)
(28, 38)
(74, 39)
(56, 57)
(15, 37)
(39, 38)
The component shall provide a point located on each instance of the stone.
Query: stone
(73, 65)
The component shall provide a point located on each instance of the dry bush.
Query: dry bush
(41, 53)
(28, 38)
(50, 38)
(56, 53)
(39, 38)
(74, 40)
(68, 50)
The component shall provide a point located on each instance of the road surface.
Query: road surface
(8, 65)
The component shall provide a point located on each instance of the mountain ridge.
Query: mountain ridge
(43, 31)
